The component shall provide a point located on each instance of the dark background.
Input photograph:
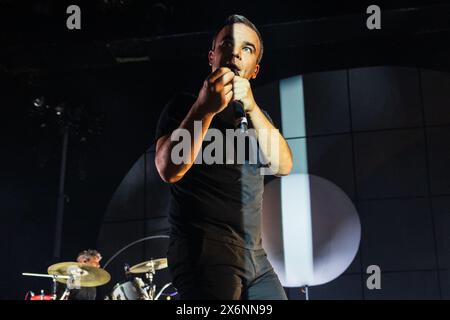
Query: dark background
(387, 127)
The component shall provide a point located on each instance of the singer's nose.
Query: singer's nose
(237, 52)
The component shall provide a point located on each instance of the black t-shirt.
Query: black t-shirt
(84, 293)
(215, 201)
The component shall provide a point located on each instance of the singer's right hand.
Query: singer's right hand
(216, 92)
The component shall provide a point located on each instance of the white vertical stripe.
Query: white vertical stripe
(292, 107)
(297, 231)
(295, 195)
(299, 154)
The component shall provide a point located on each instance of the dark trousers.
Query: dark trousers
(212, 270)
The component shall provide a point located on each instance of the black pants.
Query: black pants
(212, 270)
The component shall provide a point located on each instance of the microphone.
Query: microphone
(240, 119)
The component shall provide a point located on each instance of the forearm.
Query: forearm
(172, 171)
(273, 146)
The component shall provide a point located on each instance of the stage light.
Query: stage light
(39, 102)
(59, 109)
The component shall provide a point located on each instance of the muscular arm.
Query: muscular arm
(214, 96)
(168, 170)
(281, 163)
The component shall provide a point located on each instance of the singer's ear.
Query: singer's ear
(210, 57)
(255, 72)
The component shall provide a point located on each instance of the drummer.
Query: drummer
(90, 258)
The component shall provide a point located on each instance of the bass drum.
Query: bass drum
(130, 290)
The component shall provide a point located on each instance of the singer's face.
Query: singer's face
(236, 47)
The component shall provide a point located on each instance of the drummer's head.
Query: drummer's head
(90, 257)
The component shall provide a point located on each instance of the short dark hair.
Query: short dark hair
(236, 18)
(89, 253)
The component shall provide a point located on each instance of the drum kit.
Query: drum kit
(75, 275)
(141, 288)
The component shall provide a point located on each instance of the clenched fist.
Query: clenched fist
(243, 92)
(216, 92)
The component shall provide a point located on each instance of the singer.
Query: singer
(215, 249)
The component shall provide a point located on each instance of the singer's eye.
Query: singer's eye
(227, 44)
(248, 49)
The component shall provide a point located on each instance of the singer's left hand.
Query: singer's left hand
(242, 91)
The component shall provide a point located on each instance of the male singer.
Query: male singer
(216, 250)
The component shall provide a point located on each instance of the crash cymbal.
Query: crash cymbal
(148, 266)
(87, 275)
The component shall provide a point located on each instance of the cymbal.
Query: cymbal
(146, 266)
(89, 276)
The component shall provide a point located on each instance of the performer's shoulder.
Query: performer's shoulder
(181, 97)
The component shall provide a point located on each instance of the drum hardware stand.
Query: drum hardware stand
(143, 289)
(149, 275)
(54, 278)
(146, 288)
(305, 290)
(61, 195)
(66, 294)
(54, 287)
(71, 284)
(151, 286)
(69, 118)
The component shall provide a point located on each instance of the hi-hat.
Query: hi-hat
(149, 266)
(87, 276)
